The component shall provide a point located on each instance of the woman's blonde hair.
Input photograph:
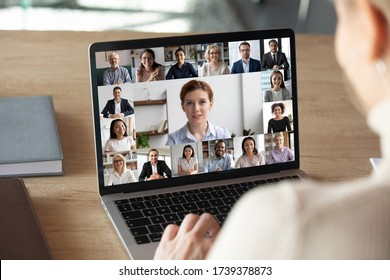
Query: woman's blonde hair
(209, 48)
(121, 157)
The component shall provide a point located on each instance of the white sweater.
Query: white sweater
(315, 221)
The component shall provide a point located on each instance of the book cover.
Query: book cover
(21, 234)
(29, 142)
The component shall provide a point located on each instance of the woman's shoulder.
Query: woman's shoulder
(224, 67)
(181, 160)
(239, 162)
(222, 64)
(241, 158)
(128, 171)
(112, 173)
(287, 149)
(111, 141)
(158, 66)
(259, 155)
(221, 132)
(174, 137)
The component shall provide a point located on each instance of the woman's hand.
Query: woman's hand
(191, 241)
(154, 74)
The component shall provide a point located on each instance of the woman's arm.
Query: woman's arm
(193, 72)
(225, 70)
(179, 169)
(288, 124)
(132, 177)
(110, 178)
(195, 168)
(203, 70)
(161, 73)
(238, 163)
(290, 154)
(262, 159)
(138, 75)
(269, 130)
(267, 96)
(286, 94)
(169, 76)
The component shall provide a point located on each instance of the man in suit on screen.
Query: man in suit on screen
(246, 64)
(154, 169)
(274, 59)
(117, 107)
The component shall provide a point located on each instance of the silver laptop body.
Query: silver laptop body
(240, 106)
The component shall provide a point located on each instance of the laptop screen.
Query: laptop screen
(189, 109)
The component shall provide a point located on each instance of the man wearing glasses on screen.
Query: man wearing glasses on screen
(246, 64)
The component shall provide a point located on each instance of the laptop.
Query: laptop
(155, 119)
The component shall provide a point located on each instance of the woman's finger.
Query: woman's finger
(188, 223)
(170, 233)
(207, 225)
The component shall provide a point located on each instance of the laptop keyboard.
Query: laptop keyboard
(148, 216)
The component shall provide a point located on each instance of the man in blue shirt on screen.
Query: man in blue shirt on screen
(221, 160)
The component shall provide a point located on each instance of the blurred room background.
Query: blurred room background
(304, 16)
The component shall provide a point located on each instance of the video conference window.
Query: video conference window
(185, 110)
